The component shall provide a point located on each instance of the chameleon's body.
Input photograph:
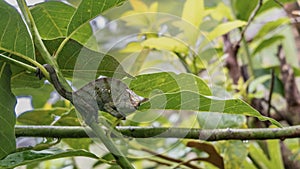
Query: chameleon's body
(105, 94)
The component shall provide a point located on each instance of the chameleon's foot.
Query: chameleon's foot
(39, 73)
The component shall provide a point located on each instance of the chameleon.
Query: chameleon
(105, 94)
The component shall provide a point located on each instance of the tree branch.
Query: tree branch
(164, 132)
(250, 20)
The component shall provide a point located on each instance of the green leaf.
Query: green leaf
(165, 43)
(70, 118)
(267, 5)
(224, 28)
(244, 8)
(262, 73)
(262, 160)
(31, 156)
(7, 114)
(271, 26)
(167, 82)
(234, 153)
(187, 100)
(266, 43)
(86, 11)
(224, 120)
(15, 38)
(41, 116)
(23, 79)
(82, 143)
(275, 153)
(87, 63)
(52, 18)
(39, 97)
(257, 81)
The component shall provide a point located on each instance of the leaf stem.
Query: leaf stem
(39, 43)
(17, 63)
(35, 63)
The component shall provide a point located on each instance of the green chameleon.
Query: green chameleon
(105, 94)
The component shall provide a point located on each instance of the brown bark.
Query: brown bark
(231, 60)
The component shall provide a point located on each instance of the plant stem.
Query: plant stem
(39, 43)
(17, 63)
(164, 132)
(109, 144)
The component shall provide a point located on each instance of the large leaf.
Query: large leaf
(32, 156)
(15, 38)
(167, 82)
(52, 19)
(187, 100)
(224, 28)
(87, 63)
(23, 79)
(7, 114)
(79, 27)
(39, 97)
(41, 116)
(207, 120)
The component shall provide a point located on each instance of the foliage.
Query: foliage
(172, 56)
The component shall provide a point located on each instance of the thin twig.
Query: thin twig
(171, 159)
(271, 92)
(251, 18)
(279, 113)
(294, 20)
(279, 3)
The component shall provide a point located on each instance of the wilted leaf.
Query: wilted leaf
(7, 113)
(213, 158)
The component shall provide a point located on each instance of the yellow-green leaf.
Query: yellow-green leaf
(193, 12)
(224, 28)
(165, 43)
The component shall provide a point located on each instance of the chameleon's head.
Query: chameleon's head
(135, 99)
